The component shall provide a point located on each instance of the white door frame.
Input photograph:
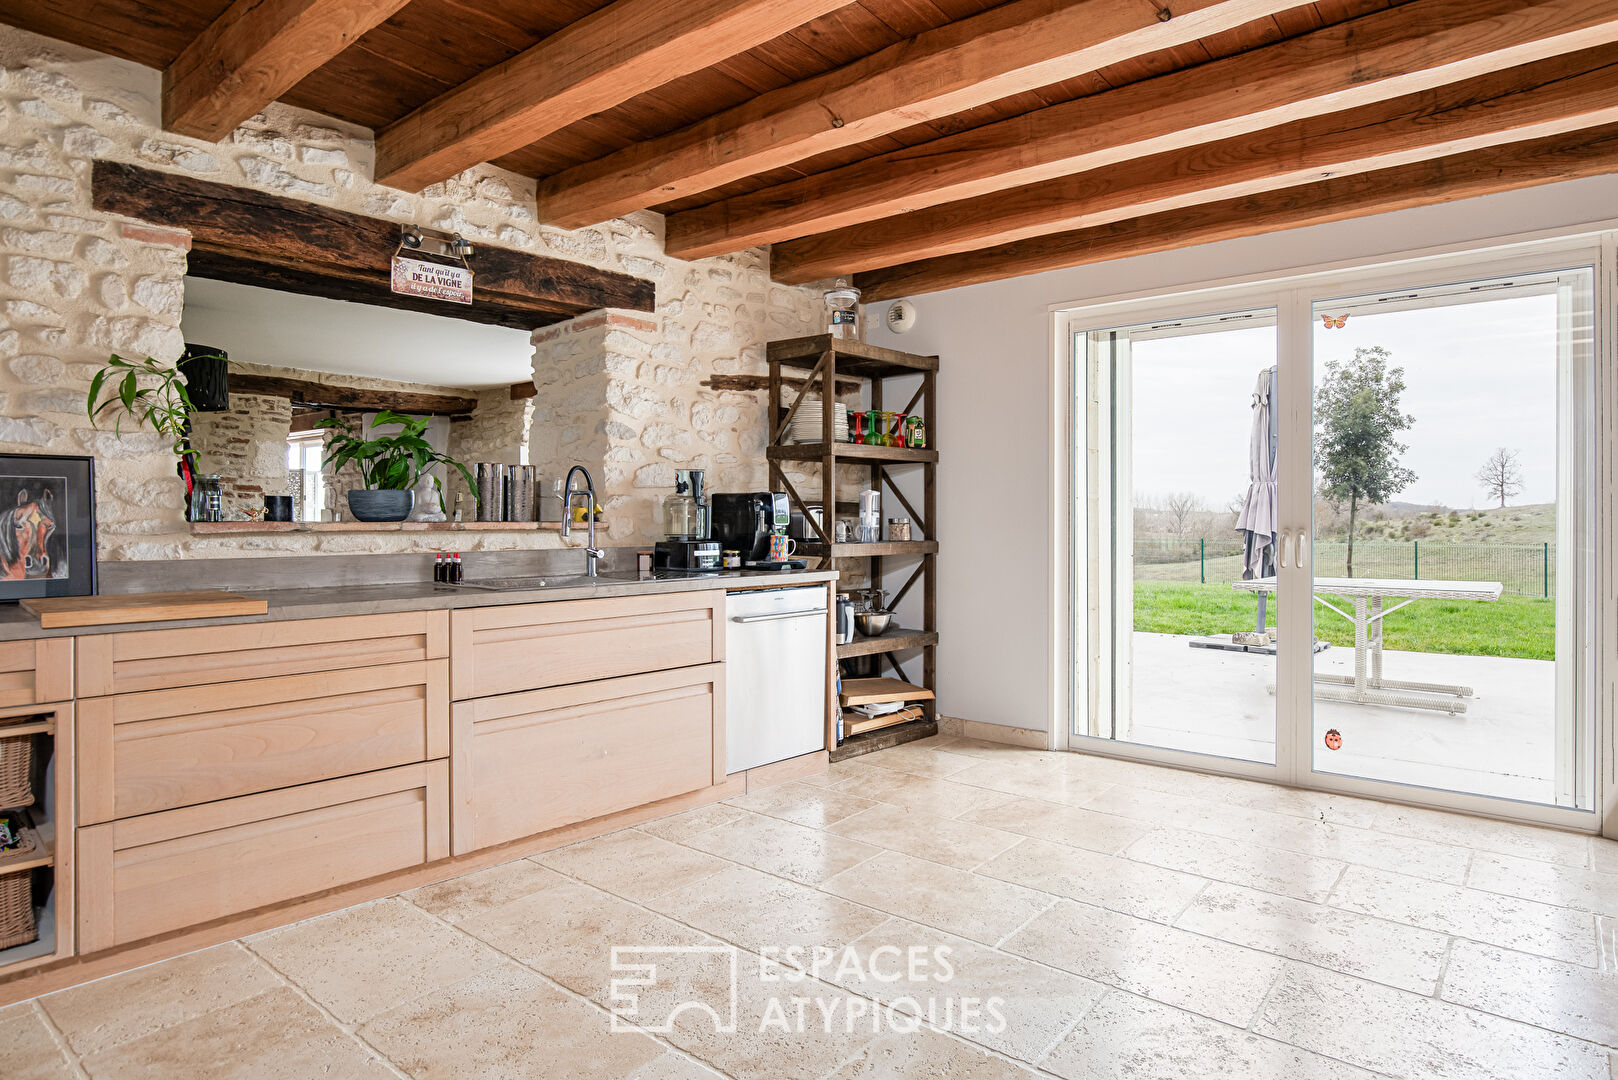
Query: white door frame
(1292, 298)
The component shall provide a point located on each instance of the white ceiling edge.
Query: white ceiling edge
(281, 329)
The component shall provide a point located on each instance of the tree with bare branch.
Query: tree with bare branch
(1501, 475)
(1182, 508)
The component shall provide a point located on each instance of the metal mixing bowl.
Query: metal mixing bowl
(872, 623)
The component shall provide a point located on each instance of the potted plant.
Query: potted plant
(389, 465)
(154, 395)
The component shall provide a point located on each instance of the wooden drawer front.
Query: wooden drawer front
(531, 762)
(500, 650)
(36, 672)
(140, 753)
(164, 659)
(184, 867)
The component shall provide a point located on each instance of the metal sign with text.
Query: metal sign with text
(434, 281)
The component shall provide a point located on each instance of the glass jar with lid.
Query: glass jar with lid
(843, 319)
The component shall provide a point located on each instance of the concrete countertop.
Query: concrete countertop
(334, 601)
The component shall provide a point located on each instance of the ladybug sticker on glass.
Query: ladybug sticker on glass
(1334, 739)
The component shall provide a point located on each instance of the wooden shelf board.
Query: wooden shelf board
(857, 724)
(250, 528)
(876, 691)
(883, 738)
(42, 855)
(897, 455)
(866, 551)
(853, 357)
(896, 638)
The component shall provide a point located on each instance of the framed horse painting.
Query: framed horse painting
(47, 526)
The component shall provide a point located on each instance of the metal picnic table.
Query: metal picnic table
(1368, 594)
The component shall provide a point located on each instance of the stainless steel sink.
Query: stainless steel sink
(554, 581)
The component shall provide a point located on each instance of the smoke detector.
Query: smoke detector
(901, 316)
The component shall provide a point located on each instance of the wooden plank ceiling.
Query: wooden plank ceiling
(914, 144)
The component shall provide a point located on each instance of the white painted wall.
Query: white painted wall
(996, 599)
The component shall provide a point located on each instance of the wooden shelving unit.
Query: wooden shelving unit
(833, 362)
(50, 863)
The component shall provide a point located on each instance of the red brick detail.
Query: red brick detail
(147, 234)
(631, 322)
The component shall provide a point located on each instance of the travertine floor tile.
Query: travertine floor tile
(927, 1054)
(949, 981)
(1059, 824)
(783, 848)
(1404, 1034)
(1216, 979)
(464, 897)
(1135, 888)
(1483, 916)
(1016, 778)
(632, 864)
(940, 798)
(1345, 941)
(274, 1036)
(1271, 869)
(679, 827)
(1525, 841)
(507, 1024)
(1604, 855)
(568, 933)
(802, 803)
(1574, 1000)
(1563, 886)
(941, 840)
(1130, 1038)
(954, 901)
(390, 951)
(27, 1050)
(109, 1011)
(757, 911)
(921, 760)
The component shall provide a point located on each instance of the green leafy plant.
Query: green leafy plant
(389, 462)
(151, 393)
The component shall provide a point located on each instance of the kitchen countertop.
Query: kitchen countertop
(334, 601)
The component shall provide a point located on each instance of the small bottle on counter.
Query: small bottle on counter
(438, 567)
(455, 569)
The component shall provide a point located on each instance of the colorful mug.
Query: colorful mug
(781, 547)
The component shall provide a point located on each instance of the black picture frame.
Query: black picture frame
(47, 526)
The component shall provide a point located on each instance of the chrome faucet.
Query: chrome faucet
(591, 552)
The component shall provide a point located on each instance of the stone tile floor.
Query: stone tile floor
(1046, 914)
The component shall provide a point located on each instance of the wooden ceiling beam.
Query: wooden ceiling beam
(255, 52)
(367, 399)
(1568, 156)
(1404, 50)
(1007, 50)
(584, 68)
(1552, 96)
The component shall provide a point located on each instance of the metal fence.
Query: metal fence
(1523, 569)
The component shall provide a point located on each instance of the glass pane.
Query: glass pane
(1447, 535)
(1178, 449)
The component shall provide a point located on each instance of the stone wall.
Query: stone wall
(247, 447)
(496, 431)
(76, 284)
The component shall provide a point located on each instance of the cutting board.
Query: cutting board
(58, 611)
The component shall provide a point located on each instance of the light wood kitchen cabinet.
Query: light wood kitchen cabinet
(179, 868)
(36, 672)
(197, 656)
(144, 752)
(525, 763)
(502, 650)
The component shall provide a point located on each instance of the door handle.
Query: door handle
(1300, 552)
(774, 615)
(1281, 550)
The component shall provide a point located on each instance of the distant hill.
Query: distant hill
(1528, 524)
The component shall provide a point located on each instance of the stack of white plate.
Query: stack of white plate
(807, 422)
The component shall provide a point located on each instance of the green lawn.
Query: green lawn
(1511, 626)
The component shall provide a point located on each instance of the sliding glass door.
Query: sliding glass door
(1179, 449)
(1342, 539)
(1450, 535)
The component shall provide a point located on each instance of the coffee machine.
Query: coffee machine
(686, 523)
(745, 521)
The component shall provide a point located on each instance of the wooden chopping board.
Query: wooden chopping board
(58, 611)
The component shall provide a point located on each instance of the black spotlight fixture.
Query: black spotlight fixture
(207, 377)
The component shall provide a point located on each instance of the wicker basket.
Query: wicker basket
(17, 925)
(16, 766)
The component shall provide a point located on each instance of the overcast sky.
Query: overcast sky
(1477, 376)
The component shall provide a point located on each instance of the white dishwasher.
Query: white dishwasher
(775, 675)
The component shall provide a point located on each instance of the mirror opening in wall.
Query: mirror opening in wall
(314, 410)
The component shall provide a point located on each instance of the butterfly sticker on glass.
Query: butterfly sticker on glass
(1334, 322)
